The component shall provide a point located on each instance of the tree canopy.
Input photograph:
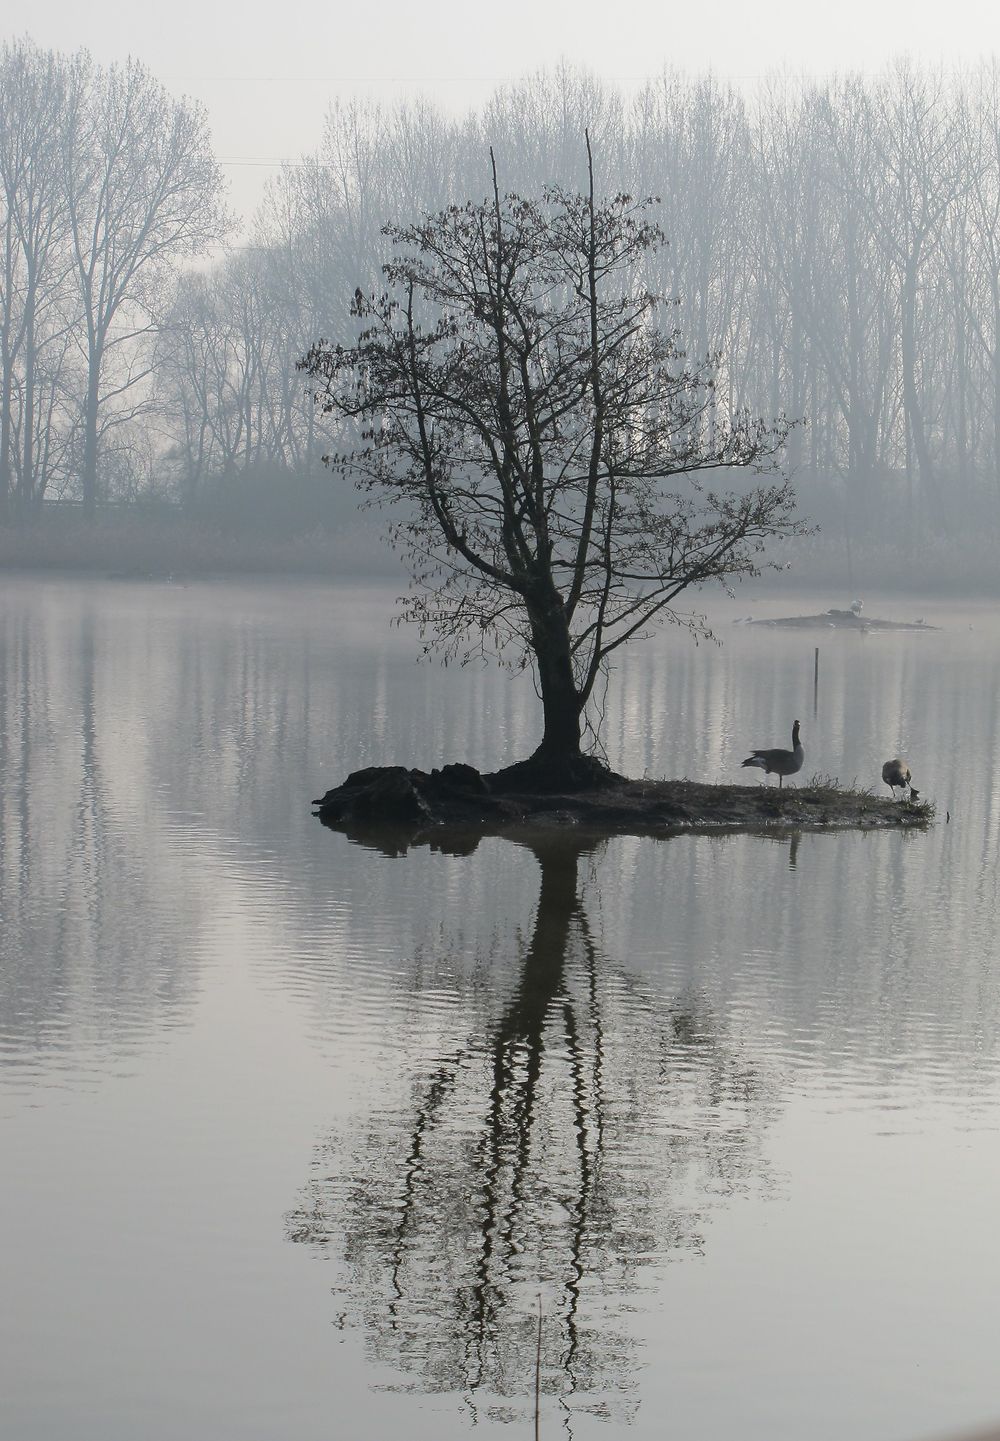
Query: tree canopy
(516, 387)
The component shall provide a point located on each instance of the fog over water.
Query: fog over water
(301, 1128)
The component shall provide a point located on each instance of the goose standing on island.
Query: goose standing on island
(897, 773)
(780, 762)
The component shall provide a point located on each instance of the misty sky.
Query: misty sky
(268, 73)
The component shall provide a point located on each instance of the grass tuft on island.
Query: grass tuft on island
(458, 795)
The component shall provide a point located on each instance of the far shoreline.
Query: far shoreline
(162, 544)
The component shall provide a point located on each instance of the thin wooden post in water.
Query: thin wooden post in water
(816, 683)
(538, 1365)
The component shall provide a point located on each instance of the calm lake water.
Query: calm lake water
(297, 1134)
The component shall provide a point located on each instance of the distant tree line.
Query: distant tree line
(107, 185)
(835, 243)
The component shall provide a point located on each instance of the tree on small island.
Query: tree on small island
(514, 387)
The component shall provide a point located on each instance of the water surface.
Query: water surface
(299, 1133)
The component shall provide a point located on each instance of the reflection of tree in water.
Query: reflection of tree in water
(583, 1137)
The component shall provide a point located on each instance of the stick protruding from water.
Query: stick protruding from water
(816, 683)
(538, 1368)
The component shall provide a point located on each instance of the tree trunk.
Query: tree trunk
(6, 437)
(558, 764)
(6, 469)
(561, 703)
(28, 422)
(89, 476)
(911, 399)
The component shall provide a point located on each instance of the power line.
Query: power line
(277, 160)
(521, 76)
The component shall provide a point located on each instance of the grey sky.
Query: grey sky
(268, 73)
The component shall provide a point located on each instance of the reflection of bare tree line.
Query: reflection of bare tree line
(571, 1147)
(86, 946)
(139, 725)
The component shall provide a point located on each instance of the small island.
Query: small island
(460, 796)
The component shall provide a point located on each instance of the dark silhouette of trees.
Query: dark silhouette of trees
(515, 387)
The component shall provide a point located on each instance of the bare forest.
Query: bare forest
(836, 246)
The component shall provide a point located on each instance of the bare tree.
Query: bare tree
(918, 181)
(35, 310)
(981, 124)
(513, 386)
(143, 191)
(185, 383)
